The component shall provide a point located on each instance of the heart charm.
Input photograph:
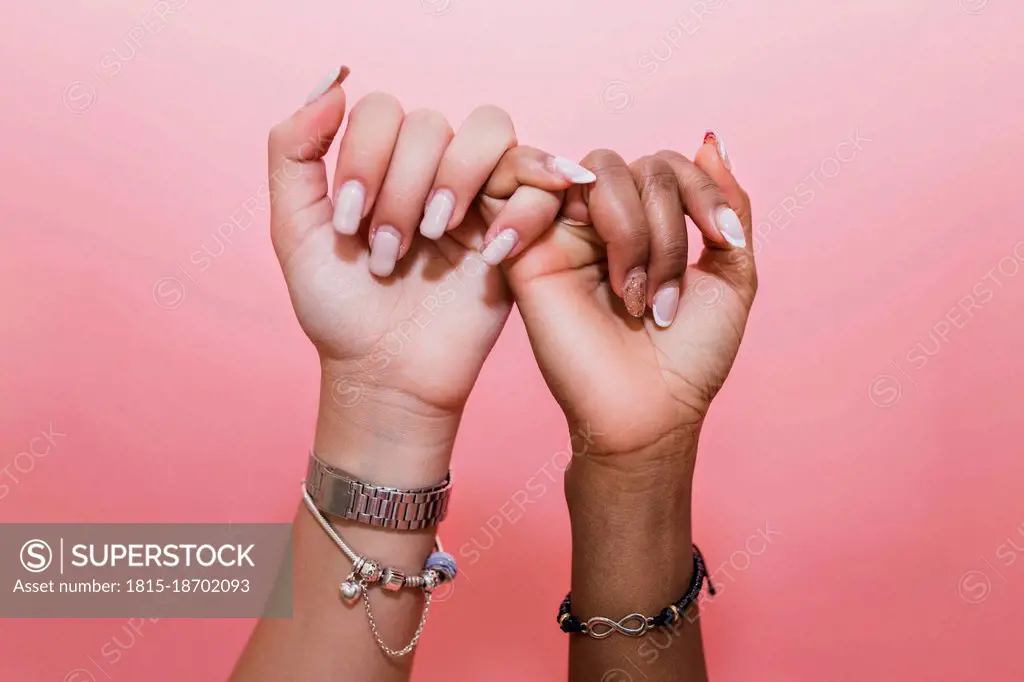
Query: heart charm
(350, 590)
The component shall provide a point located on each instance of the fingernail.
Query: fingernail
(330, 80)
(572, 171)
(348, 207)
(716, 139)
(439, 212)
(729, 225)
(500, 247)
(634, 292)
(384, 250)
(666, 302)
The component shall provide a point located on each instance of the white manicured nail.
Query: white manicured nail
(500, 247)
(439, 212)
(348, 207)
(666, 303)
(384, 250)
(729, 225)
(336, 76)
(572, 171)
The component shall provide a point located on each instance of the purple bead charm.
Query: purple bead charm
(443, 563)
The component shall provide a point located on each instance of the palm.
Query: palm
(626, 381)
(424, 332)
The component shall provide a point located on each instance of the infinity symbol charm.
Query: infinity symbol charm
(633, 625)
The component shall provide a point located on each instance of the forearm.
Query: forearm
(632, 553)
(326, 638)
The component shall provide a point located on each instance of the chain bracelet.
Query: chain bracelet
(407, 649)
(358, 585)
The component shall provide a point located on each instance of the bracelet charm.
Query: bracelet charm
(636, 624)
(609, 627)
(440, 567)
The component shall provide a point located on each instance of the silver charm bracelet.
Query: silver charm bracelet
(440, 568)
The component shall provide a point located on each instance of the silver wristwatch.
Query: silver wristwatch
(338, 494)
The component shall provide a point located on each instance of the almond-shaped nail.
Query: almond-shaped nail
(387, 242)
(572, 171)
(665, 304)
(500, 246)
(329, 81)
(634, 292)
(439, 212)
(716, 139)
(348, 207)
(729, 225)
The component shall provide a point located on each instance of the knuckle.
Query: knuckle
(382, 101)
(605, 161)
(492, 114)
(659, 179)
(428, 119)
(702, 183)
(671, 155)
(631, 240)
(494, 117)
(673, 250)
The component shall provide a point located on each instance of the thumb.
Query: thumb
(735, 265)
(297, 182)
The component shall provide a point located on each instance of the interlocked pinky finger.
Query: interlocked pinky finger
(527, 215)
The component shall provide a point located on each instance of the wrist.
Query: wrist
(661, 472)
(382, 436)
(631, 530)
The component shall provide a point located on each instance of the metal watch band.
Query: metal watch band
(338, 494)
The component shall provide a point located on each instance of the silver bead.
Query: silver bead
(429, 581)
(392, 579)
(370, 571)
(350, 590)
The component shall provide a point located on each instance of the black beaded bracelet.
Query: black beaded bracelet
(637, 624)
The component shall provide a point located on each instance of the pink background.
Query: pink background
(871, 429)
